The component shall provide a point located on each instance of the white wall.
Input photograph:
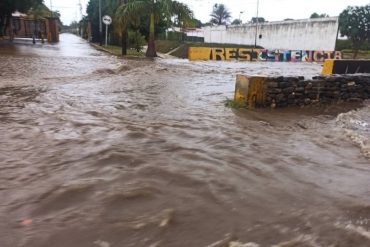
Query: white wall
(310, 34)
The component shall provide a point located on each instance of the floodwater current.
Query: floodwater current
(96, 151)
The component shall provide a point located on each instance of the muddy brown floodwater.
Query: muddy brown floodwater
(100, 151)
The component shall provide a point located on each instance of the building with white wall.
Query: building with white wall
(308, 34)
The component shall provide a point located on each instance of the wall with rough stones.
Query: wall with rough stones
(286, 91)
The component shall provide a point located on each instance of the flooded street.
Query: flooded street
(100, 151)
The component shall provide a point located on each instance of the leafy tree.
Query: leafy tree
(92, 11)
(354, 22)
(259, 20)
(220, 15)
(236, 22)
(136, 40)
(316, 15)
(56, 14)
(133, 8)
(7, 7)
(183, 15)
(197, 23)
(108, 7)
(154, 10)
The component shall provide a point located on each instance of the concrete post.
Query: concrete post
(53, 31)
(250, 90)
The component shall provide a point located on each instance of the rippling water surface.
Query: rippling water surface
(100, 151)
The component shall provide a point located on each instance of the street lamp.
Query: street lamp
(255, 37)
(240, 13)
(100, 25)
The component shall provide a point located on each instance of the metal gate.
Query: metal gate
(29, 28)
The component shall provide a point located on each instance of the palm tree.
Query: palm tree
(220, 14)
(183, 14)
(124, 17)
(129, 12)
(133, 8)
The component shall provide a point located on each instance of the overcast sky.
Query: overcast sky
(271, 10)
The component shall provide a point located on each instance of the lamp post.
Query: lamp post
(255, 37)
(240, 13)
(100, 25)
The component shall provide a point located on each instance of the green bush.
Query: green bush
(136, 40)
(234, 104)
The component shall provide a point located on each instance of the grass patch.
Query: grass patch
(117, 50)
(362, 54)
(164, 46)
(234, 104)
(359, 52)
(181, 52)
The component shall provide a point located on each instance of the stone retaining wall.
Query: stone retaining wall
(285, 91)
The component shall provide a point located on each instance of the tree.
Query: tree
(236, 22)
(7, 7)
(354, 22)
(183, 15)
(316, 15)
(108, 7)
(220, 14)
(197, 23)
(259, 20)
(155, 10)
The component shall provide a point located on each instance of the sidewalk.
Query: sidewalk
(117, 52)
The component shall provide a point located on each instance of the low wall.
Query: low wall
(259, 91)
(309, 34)
(245, 54)
(28, 28)
(346, 66)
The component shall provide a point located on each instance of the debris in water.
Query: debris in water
(238, 244)
(26, 222)
(102, 243)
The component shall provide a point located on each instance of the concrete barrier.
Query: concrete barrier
(250, 90)
(346, 66)
(261, 91)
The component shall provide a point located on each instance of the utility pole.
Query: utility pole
(81, 21)
(51, 8)
(255, 37)
(80, 5)
(100, 26)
